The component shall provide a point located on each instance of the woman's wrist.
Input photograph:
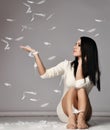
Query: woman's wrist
(34, 52)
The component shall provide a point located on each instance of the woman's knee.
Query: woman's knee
(72, 90)
(71, 93)
(82, 90)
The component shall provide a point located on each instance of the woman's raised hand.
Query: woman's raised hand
(27, 48)
(40, 66)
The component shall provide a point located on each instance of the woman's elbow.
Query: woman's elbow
(43, 75)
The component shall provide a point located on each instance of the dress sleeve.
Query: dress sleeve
(57, 70)
(83, 83)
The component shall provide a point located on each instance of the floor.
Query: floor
(48, 123)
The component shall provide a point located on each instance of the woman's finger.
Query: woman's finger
(21, 46)
(27, 48)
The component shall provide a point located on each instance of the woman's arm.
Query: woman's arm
(80, 80)
(46, 73)
(79, 74)
(40, 66)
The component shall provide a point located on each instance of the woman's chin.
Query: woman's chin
(74, 55)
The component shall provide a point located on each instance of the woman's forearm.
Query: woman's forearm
(40, 66)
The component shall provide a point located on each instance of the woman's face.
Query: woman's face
(77, 49)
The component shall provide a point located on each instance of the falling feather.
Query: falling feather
(24, 27)
(44, 105)
(8, 38)
(10, 20)
(47, 43)
(19, 38)
(28, 92)
(57, 91)
(96, 35)
(32, 99)
(49, 17)
(53, 28)
(7, 47)
(7, 44)
(98, 20)
(7, 84)
(41, 2)
(4, 41)
(35, 65)
(31, 2)
(81, 30)
(40, 14)
(91, 30)
(29, 8)
(52, 57)
(30, 54)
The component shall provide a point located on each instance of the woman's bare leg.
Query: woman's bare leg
(69, 100)
(84, 105)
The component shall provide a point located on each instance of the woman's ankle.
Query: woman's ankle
(81, 121)
(72, 116)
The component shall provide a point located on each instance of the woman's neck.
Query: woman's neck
(79, 61)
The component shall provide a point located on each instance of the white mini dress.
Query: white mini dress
(64, 68)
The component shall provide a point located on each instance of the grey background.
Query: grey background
(17, 68)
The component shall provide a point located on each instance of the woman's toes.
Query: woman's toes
(82, 125)
(72, 122)
(71, 126)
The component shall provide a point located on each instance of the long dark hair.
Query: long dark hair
(90, 64)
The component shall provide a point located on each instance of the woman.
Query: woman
(79, 78)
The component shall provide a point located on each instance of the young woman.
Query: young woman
(80, 76)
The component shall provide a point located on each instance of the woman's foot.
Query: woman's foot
(72, 122)
(81, 122)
